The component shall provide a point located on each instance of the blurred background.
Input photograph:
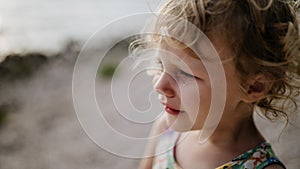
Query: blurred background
(44, 25)
(39, 43)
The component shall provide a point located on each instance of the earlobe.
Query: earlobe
(258, 87)
(255, 92)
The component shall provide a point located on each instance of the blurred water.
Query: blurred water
(44, 25)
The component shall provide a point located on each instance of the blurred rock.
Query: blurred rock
(20, 66)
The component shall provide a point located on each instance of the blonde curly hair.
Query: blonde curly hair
(263, 35)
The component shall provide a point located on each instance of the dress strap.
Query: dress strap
(165, 150)
(270, 161)
(258, 157)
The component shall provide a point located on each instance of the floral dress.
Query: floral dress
(256, 158)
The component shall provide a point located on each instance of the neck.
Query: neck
(237, 130)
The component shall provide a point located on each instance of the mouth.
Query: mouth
(172, 111)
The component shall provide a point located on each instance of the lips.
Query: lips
(172, 111)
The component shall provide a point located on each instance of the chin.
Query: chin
(178, 124)
(179, 129)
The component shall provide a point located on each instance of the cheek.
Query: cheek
(196, 99)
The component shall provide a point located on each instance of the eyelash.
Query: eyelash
(187, 74)
(180, 71)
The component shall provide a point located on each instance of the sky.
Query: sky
(45, 25)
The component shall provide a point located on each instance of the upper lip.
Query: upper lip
(165, 104)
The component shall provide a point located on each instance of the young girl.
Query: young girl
(257, 42)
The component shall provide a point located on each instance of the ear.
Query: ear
(258, 86)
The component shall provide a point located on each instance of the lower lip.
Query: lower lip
(172, 111)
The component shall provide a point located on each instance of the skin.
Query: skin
(236, 132)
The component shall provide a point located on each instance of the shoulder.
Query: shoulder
(158, 127)
(274, 166)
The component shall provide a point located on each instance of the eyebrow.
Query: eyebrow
(191, 53)
(186, 49)
(194, 65)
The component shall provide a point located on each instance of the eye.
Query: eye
(187, 74)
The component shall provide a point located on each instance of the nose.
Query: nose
(164, 85)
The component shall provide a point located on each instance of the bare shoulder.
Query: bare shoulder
(274, 166)
(158, 127)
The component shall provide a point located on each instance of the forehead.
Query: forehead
(183, 58)
(179, 53)
(211, 47)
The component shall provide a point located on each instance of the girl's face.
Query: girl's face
(184, 88)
